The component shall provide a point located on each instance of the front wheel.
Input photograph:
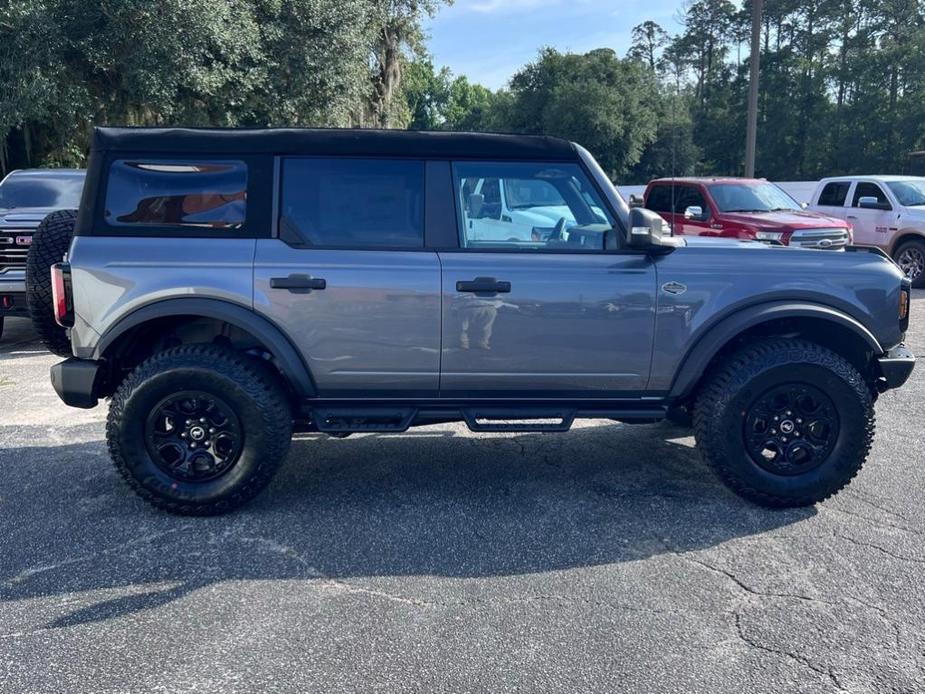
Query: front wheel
(199, 429)
(785, 422)
(910, 256)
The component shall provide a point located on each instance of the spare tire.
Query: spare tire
(50, 242)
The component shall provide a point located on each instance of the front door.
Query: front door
(349, 280)
(556, 316)
(872, 227)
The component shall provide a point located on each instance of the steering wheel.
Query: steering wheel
(557, 231)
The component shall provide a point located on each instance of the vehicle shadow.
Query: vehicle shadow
(431, 502)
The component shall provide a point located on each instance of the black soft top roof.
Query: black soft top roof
(332, 141)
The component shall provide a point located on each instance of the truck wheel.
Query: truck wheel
(199, 429)
(49, 244)
(910, 256)
(785, 422)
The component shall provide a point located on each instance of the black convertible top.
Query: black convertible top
(332, 141)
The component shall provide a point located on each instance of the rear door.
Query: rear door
(562, 315)
(348, 278)
(871, 226)
(833, 199)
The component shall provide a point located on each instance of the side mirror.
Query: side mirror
(693, 212)
(648, 229)
(804, 205)
(871, 203)
(476, 203)
(636, 201)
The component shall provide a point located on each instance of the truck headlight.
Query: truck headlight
(769, 235)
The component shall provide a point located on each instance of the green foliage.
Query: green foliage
(606, 104)
(66, 65)
(842, 81)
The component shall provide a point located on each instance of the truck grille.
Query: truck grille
(820, 238)
(13, 254)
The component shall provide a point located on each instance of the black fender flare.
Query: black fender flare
(718, 335)
(268, 333)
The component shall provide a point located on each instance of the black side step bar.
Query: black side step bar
(505, 419)
(348, 420)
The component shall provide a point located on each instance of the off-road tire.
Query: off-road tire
(252, 391)
(917, 246)
(732, 388)
(49, 244)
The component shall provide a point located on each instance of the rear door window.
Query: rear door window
(352, 203)
(834, 194)
(205, 194)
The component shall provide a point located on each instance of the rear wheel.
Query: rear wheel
(785, 422)
(199, 429)
(50, 242)
(910, 256)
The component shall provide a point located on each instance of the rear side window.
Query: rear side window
(353, 203)
(162, 193)
(834, 194)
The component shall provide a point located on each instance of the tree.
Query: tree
(648, 40)
(596, 99)
(397, 37)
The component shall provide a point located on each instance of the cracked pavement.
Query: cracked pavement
(605, 559)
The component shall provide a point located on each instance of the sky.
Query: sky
(489, 40)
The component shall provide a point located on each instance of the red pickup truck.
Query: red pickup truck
(743, 208)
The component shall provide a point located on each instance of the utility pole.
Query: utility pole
(751, 135)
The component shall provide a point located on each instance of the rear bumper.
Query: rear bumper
(895, 367)
(13, 293)
(77, 381)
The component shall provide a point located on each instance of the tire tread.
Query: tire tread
(253, 377)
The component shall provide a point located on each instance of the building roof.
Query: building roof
(332, 141)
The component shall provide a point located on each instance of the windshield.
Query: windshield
(909, 193)
(523, 193)
(751, 197)
(61, 191)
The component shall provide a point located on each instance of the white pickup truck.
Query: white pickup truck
(886, 211)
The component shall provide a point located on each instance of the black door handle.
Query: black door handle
(484, 285)
(298, 284)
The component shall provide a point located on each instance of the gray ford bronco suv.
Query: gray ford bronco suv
(225, 287)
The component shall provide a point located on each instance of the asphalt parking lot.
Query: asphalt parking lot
(606, 559)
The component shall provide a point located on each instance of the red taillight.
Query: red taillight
(61, 295)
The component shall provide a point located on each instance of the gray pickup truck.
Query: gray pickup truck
(225, 287)
(27, 196)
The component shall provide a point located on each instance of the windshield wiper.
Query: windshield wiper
(743, 210)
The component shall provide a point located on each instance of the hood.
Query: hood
(538, 215)
(24, 217)
(790, 219)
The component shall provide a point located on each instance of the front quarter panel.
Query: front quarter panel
(718, 281)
